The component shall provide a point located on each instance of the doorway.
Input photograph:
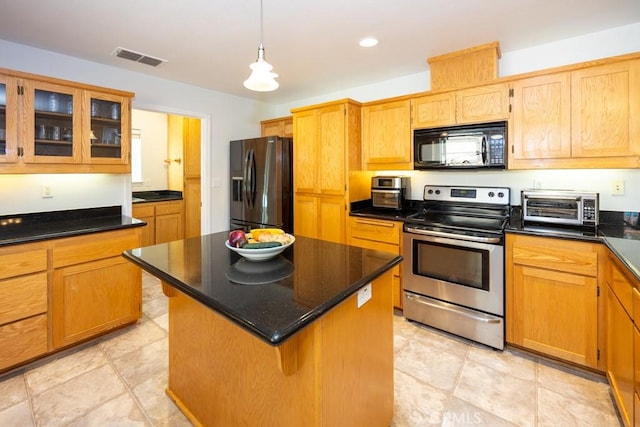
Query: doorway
(171, 160)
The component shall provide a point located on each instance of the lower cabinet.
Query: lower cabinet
(165, 221)
(94, 297)
(621, 334)
(320, 217)
(94, 288)
(552, 297)
(636, 355)
(23, 303)
(381, 235)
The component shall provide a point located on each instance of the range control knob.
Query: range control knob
(430, 191)
(501, 194)
(491, 194)
(437, 191)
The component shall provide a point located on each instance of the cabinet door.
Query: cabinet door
(541, 125)
(305, 212)
(106, 132)
(332, 216)
(482, 104)
(23, 340)
(94, 297)
(51, 131)
(168, 227)
(146, 213)
(434, 110)
(606, 111)
(620, 355)
(8, 120)
(305, 152)
(386, 136)
(555, 313)
(332, 172)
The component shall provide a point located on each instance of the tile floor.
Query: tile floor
(440, 380)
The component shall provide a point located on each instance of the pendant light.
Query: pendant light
(262, 79)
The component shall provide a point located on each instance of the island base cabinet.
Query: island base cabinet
(93, 298)
(336, 371)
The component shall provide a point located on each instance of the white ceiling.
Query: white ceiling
(311, 44)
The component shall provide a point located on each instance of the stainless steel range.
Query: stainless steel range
(453, 268)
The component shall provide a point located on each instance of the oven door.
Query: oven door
(465, 273)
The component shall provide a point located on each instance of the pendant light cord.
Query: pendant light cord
(261, 26)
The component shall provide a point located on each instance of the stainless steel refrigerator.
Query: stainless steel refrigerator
(261, 183)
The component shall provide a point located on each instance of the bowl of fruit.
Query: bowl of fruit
(260, 244)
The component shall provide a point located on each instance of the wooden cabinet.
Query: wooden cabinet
(184, 173)
(552, 297)
(54, 125)
(164, 221)
(94, 288)
(146, 212)
(472, 105)
(23, 303)
(326, 162)
(282, 126)
(386, 136)
(380, 235)
(583, 118)
(541, 122)
(620, 338)
(636, 354)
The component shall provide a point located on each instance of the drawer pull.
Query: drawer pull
(377, 224)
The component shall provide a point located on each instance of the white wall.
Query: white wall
(228, 117)
(602, 44)
(154, 131)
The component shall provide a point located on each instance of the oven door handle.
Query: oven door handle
(455, 310)
(453, 236)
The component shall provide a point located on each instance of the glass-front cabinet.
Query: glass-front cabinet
(107, 125)
(52, 131)
(58, 126)
(8, 120)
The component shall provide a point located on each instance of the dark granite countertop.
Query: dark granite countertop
(272, 299)
(622, 239)
(155, 196)
(33, 227)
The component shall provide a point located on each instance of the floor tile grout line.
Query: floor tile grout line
(32, 411)
(148, 419)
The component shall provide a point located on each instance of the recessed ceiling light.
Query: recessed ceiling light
(368, 42)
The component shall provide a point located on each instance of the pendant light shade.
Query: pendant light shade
(262, 79)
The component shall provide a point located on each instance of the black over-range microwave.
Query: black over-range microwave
(477, 146)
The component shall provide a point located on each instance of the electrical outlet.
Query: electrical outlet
(537, 184)
(617, 187)
(47, 191)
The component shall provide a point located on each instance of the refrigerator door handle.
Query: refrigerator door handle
(250, 178)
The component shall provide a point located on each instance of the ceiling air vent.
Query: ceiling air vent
(131, 55)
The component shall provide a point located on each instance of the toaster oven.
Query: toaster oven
(561, 207)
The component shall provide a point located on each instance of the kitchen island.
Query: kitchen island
(303, 339)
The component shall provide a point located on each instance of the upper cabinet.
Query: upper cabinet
(282, 126)
(8, 120)
(386, 135)
(584, 118)
(472, 105)
(55, 126)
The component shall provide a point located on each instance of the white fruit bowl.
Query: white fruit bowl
(260, 254)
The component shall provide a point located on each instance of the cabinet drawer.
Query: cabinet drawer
(622, 287)
(23, 340)
(23, 297)
(168, 208)
(19, 263)
(556, 254)
(76, 250)
(141, 210)
(377, 231)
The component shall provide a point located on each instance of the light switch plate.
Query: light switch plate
(364, 295)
